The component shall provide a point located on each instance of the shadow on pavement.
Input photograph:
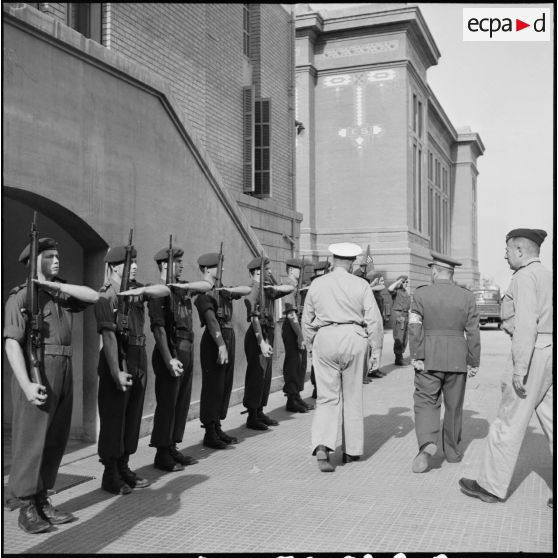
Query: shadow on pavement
(117, 518)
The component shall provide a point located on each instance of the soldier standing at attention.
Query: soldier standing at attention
(42, 412)
(445, 349)
(294, 365)
(258, 343)
(400, 310)
(173, 361)
(340, 320)
(320, 268)
(121, 385)
(217, 350)
(528, 379)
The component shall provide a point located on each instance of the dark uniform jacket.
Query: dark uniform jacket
(444, 327)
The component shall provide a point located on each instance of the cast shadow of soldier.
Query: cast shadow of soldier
(122, 515)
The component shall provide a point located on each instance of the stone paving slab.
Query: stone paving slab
(266, 494)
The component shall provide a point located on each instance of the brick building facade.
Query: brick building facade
(379, 162)
(168, 118)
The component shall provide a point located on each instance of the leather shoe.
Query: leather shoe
(294, 406)
(30, 520)
(51, 514)
(309, 406)
(224, 436)
(322, 455)
(473, 489)
(164, 461)
(348, 458)
(132, 479)
(266, 419)
(180, 457)
(421, 462)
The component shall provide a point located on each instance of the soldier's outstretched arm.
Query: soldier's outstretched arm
(81, 292)
(147, 291)
(195, 286)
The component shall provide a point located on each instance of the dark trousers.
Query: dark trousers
(217, 379)
(429, 388)
(40, 433)
(173, 396)
(294, 365)
(120, 411)
(257, 382)
(400, 322)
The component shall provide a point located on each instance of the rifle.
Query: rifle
(261, 309)
(298, 298)
(34, 317)
(170, 308)
(122, 328)
(366, 258)
(219, 282)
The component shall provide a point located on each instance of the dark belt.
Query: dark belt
(58, 350)
(184, 334)
(344, 323)
(136, 340)
(444, 332)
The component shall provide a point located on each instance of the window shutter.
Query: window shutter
(248, 135)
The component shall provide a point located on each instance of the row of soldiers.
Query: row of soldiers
(42, 406)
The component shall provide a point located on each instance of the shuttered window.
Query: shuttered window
(86, 19)
(262, 166)
(248, 149)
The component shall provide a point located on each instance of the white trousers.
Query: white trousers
(508, 429)
(339, 358)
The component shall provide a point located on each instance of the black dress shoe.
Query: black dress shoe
(294, 406)
(51, 514)
(164, 461)
(112, 481)
(253, 421)
(30, 520)
(473, 489)
(180, 457)
(132, 479)
(266, 419)
(224, 436)
(322, 455)
(308, 406)
(347, 458)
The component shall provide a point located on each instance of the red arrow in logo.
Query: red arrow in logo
(519, 25)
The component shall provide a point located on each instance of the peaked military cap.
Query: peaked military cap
(322, 264)
(163, 253)
(256, 262)
(442, 262)
(346, 250)
(44, 244)
(209, 260)
(536, 235)
(294, 263)
(117, 254)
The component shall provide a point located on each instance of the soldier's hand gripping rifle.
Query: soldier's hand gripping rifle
(34, 316)
(122, 326)
(170, 307)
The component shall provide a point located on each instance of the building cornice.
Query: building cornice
(474, 139)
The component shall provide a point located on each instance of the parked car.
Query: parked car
(488, 304)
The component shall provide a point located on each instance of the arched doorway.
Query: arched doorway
(81, 253)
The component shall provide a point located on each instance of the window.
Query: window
(248, 133)
(417, 187)
(246, 29)
(419, 116)
(262, 151)
(415, 113)
(86, 19)
(416, 119)
(438, 205)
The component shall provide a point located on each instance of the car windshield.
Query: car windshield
(487, 296)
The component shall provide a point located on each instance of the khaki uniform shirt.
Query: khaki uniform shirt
(526, 312)
(341, 297)
(444, 327)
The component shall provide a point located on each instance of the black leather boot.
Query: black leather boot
(254, 422)
(50, 513)
(29, 519)
(128, 476)
(308, 406)
(268, 421)
(165, 462)
(225, 437)
(211, 439)
(180, 457)
(112, 481)
(294, 406)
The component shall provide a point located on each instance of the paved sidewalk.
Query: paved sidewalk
(266, 494)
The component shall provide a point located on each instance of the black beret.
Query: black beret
(256, 262)
(294, 263)
(209, 260)
(117, 254)
(536, 235)
(322, 264)
(163, 253)
(44, 244)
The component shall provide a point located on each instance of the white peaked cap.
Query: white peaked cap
(345, 249)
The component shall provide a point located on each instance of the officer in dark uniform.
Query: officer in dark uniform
(217, 351)
(294, 365)
(320, 268)
(173, 361)
(121, 392)
(42, 413)
(400, 312)
(258, 343)
(445, 348)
